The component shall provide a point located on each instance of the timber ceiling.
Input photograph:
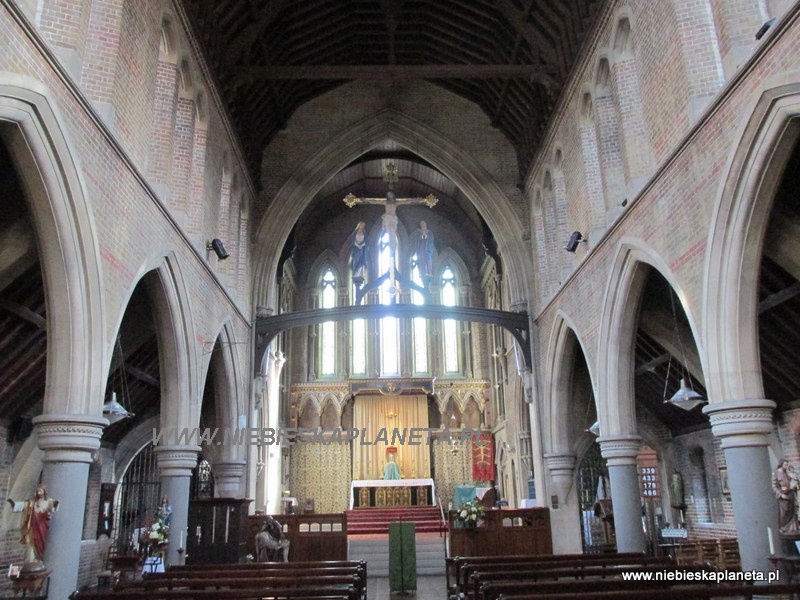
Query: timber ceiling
(510, 57)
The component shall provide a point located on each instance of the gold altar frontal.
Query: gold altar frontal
(392, 494)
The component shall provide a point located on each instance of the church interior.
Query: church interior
(323, 259)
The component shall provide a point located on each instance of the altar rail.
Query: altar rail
(503, 532)
(312, 536)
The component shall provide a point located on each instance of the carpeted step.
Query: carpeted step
(362, 521)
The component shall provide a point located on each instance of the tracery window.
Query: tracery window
(419, 326)
(450, 326)
(327, 333)
(389, 326)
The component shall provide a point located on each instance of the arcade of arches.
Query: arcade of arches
(471, 143)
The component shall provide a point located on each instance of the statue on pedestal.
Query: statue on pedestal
(391, 470)
(36, 513)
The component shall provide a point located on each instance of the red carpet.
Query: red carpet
(376, 520)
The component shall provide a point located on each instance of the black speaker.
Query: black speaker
(219, 249)
(575, 239)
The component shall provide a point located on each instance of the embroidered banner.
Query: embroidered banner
(483, 459)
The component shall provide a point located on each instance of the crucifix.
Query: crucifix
(388, 227)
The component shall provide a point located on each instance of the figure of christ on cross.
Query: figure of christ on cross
(389, 218)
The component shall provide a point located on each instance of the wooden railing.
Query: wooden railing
(503, 532)
(313, 536)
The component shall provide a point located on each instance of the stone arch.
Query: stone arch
(326, 259)
(185, 79)
(329, 414)
(738, 226)
(177, 348)
(558, 382)
(228, 378)
(602, 78)
(448, 256)
(587, 108)
(466, 172)
(168, 46)
(619, 319)
(76, 352)
(623, 38)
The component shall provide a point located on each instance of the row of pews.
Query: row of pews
(318, 580)
(723, 553)
(595, 577)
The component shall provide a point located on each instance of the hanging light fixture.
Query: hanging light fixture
(113, 410)
(686, 397)
(594, 429)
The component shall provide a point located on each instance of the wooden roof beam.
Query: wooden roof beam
(518, 20)
(383, 72)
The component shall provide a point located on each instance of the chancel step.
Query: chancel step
(376, 520)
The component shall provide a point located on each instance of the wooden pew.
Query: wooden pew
(453, 564)
(357, 573)
(337, 592)
(571, 564)
(292, 569)
(200, 583)
(689, 592)
(271, 565)
(518, 583)
(493, 590)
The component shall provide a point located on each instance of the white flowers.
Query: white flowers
(469, 513)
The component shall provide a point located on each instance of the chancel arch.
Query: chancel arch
(468, 175)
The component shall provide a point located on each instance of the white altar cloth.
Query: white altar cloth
(359, 483)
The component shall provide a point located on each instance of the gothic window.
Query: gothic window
(327, 333)
(419, 326)
(450, 326)
(389, 326)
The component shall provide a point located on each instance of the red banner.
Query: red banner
(483, 458)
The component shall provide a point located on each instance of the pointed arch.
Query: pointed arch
(464, 170)
(736, 236)
(225, 363)
(34, 131)
(561, 357)
(177, 350)
(619, 320)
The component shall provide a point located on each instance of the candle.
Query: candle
(771, 543)
(181, 544)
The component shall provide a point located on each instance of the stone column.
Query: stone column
(620, 453)
(176, 464)
(742, 427)
(228, 478)
(69, 443)
(562, 516)
(274, 455)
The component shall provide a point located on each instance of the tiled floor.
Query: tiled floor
(428, 588)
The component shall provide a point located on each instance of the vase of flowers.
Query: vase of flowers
(154, 539)
(470, 515)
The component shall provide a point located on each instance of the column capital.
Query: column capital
(741, 423)
(562, 472)
(620, 450)
(69, 438)
(228, 476)
(560, 461)
(176, 461)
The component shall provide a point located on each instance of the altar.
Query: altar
(392, 493)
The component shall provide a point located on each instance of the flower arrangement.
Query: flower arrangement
(155, 537)
(469, 514)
